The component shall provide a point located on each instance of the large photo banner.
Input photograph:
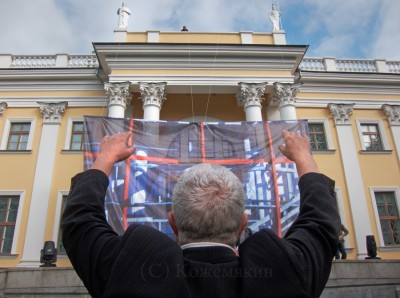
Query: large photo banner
(141, 187)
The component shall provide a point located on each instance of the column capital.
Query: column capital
(285, 93)
(392, 113)
(2, 107)
(341, 113)
(118, 93)
(52, 111)
(152, 93)
(250, 94)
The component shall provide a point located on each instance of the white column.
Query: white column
(273, 113)
(118, 96)
(285, 96)
(34, 238)
(393, 114)
(152, 96)
(2, 107)
(250, 96)
(355, 187)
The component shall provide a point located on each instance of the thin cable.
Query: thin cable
(191, 86)
(209, 89)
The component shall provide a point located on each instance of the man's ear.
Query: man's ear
(172, 222)
(243, 224)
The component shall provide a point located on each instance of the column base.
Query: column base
(29, 264)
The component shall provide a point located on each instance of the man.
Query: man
(208, 217)
(340, 248)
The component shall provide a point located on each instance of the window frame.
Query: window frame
(21, 195)
(382, 134)
(396, 191)
(327, 131)
(342, 214)
(7, 130)
(57, 220)
(67, 143)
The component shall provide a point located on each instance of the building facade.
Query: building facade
(352, 108)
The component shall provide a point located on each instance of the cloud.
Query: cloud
(30, 27)
(386, 40)
(340, 28)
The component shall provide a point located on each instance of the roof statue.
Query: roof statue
(124, 12)
(275, 17)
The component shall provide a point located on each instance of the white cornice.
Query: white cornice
(31, 102)
(371, 104)
(339, 89)
(341, 82)
(49, 80)
(44, 86)
(199, 84)
(51, 73)
(198, 56)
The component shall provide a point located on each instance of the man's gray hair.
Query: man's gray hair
(208, 205)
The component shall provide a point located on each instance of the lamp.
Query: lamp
(48, 255)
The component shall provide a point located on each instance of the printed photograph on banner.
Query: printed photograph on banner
(141, 187)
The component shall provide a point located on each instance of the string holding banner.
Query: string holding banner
(141, 187)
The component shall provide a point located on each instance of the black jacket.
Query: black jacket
(143, 262)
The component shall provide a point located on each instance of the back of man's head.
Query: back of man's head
(208, 205)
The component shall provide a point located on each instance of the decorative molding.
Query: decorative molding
(152, 93)
(250, 94)
(52, 111)
(341, 113)
(392, 113)
(31, 102)
(2, 107)
(118, 94)
(285, 94)
(164, 56)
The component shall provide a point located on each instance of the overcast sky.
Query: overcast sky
(333, 28)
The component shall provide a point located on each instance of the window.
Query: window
(320, 135)
(77, 136)
(227, 149)
(388, 212)
(60, 205)
(60, 245)
(317, 136)
(371, 137)
(194, 144)
(18, 134)
(8, 219)
(174, 148)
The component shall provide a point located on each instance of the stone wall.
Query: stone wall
(361, 278)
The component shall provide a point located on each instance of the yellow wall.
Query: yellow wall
(377, 170)
(18, 173)
(200, 37)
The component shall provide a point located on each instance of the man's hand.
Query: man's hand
(113, 149)
(297, 149)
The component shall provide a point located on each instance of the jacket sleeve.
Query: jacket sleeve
(86, 234)
(312, 238)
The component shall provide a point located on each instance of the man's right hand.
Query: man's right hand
(113, 149)
(297, 149)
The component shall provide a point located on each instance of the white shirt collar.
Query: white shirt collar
(206, 244)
